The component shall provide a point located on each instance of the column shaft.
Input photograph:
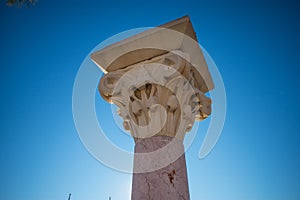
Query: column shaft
(166, 183)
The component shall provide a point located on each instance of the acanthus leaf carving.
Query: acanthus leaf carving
(157, 97)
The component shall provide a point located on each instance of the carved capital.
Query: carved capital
(160, 96)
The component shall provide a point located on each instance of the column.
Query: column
(159, 100)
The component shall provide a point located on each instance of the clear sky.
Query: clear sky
(255, 45)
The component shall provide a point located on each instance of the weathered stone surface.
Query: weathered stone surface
(169, 182)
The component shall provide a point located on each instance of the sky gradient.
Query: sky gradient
(255, 45)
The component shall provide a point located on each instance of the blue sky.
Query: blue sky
(255, 45)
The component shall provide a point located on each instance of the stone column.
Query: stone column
(158, 79)
(159, 100)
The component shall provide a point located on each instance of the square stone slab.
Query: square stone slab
(170, 37)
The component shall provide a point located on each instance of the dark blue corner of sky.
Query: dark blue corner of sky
(255, 44)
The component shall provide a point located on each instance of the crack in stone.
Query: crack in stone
(149, 187)
(171, 176)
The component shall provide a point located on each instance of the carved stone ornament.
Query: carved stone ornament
(159, 96)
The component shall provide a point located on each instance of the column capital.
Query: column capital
(160, 96)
